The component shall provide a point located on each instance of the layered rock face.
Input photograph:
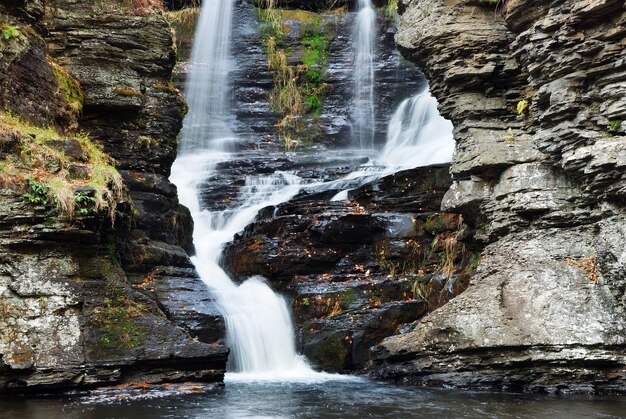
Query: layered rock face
(536, 91)
(86, 303)
(359, 270)
(331, 31)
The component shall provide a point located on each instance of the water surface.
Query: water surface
(330, 399)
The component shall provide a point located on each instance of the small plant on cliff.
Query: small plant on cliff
(522, 107)
(485, 2)
(148, 6)
(10, 32)
(37, 194)
(127, 91)
(614, 126)
(391, 9)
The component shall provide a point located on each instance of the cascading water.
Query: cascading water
(259, 327)
(258, 322)
(364, 125)
(417, 135)
(208, 89)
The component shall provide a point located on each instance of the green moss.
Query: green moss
(117, 321)
(315, 41)
(331, 352)
(473, 263)
(147, 142)
(346, 298)
(10, 32)
(117, 317)
(127, 91)
(615, 125)
(74, 95)
(435, 224)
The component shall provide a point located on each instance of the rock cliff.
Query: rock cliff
(86, 302)
(537, 94)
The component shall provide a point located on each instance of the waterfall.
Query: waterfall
(258, 321)
(417, 135)
(364, 125)
(207, 90)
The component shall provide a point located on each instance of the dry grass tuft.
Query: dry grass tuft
(148, 6)
(589, 265)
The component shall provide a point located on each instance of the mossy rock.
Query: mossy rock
(332, 352)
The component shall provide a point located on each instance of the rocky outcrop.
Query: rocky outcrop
(360, 269)
(536, 94)
(86, 303)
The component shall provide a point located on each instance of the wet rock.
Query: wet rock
(357, 270)
(86, 303)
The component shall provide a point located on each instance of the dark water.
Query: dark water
(326, 400)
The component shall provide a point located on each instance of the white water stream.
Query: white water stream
(258, 321)
(364, 118)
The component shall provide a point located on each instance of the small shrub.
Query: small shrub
(510, 136)
(485, 2)
(38, 193)
(9, 32)
(522, 107)
(391, 9)
(615, 125)
(41, 170)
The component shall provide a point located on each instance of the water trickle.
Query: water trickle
(364, 125)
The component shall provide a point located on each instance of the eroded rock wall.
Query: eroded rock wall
(86, 303)
(545, 186)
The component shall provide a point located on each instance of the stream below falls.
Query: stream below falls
(330, 399)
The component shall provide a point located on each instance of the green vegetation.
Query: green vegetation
(315, 60)
(38, 167)
(117, 316)
(437, 268)
(72, 91)
(127, 91)
(184, 23)
(8, 32)
(299, 89)
(522, 107)
(391, 9)
(486, 2)
(473, 263)
(435, 224)
(510, 136)
(38, 194)
(615, 125)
